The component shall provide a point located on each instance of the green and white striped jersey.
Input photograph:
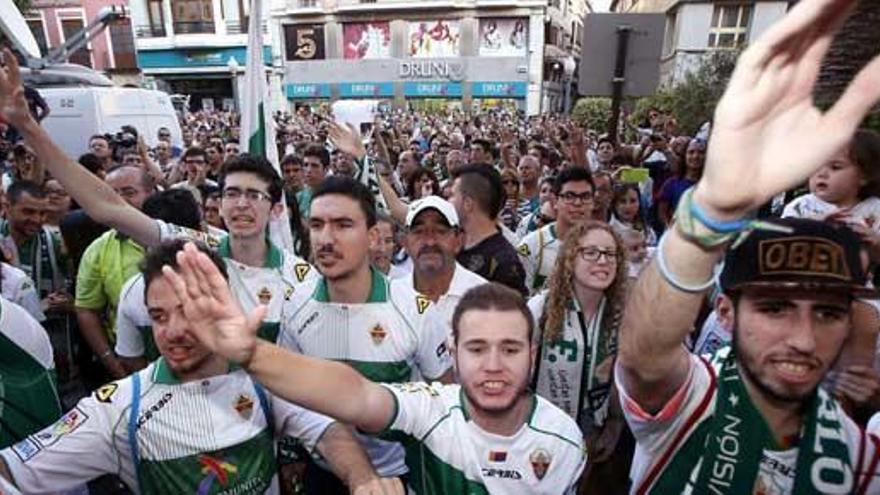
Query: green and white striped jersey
(395, 336)
(537, 253)
(448, 453)
(208, 436)
(28, 399)
(282, 273)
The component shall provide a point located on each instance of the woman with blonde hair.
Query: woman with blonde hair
(579, 316)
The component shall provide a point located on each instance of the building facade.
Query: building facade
(413, 53)
(197, 48)
(696, 27)
(112, 51)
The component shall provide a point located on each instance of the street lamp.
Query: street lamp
(568, 68)
(233, 70)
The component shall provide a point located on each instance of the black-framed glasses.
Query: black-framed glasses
(251, 195)
(571, 198)
(592, 253)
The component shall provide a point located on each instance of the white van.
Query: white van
(76, 113)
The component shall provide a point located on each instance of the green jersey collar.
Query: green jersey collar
(378, 289)
(163, 375)
(273, 259)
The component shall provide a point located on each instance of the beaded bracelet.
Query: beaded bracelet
(670, 278)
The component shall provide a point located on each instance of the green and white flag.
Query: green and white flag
(257, 126)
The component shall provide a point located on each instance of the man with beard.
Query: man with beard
(354, 314)
(574, 189)
(487, 435)
(190, 423)
(753, 419)
(433, 239)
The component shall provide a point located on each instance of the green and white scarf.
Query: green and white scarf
(723, 454)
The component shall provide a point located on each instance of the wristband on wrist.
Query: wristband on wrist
(104, 355)
(674, 282)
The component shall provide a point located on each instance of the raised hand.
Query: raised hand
(347, 139)
(13, 105)
(768, 135)
(215, 317)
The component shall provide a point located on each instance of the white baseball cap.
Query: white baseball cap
(444, 207)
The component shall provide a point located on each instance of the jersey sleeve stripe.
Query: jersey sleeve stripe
(683, 433)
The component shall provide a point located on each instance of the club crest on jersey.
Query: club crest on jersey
(244, 406)
(105, 393)
(301, 270)
(422, 304)
(540, 460)
(265, 295)
(378, 334)
(524, 250)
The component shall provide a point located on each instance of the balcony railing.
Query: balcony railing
(194, 27)
(149, 31)
(241, 27)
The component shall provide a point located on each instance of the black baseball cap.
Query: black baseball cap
(813, 255)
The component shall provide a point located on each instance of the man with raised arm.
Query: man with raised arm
(488, 435)
(752, 420)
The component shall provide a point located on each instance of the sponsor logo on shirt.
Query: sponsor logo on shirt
(301, 270)
(510, 474)
(152, 410)
(422, 304)
(64, 426)
(309, 321)
(26, 449)
(106, 392)
(497, 456)
(540, 460)
(215, 470)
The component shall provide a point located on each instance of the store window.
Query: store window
(156, 16)
(36, 27)
(70, 27)
(193, 16)
(730, 25)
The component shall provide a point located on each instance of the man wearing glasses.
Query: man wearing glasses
(574, 189)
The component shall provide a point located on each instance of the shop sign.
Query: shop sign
(432, 89)
(450, 71)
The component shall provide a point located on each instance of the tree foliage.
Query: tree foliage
(592, 113)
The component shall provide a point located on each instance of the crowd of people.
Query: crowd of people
(471, 302)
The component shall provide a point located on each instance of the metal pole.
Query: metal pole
(619, 80)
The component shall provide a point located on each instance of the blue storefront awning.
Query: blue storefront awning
(307, 91)
(498, 89)
(197, 57)
(366, 89)
(432, 89)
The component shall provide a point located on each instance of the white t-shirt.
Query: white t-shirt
(395, 336)
(20, 289)
(462, 280)
(658, 436)
(183, 431)
(811, 207)
(546, 455)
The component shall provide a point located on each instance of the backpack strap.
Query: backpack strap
(133, 413)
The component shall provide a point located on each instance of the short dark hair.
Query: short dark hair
(99, 136)
(483, 185)
(166, 254)
(572, 174)
(484, 144)
(194, 151)
(488, 296)
(350, 188)
(291, 158)
(319, 152)
(257, 165)
(864, 151)
(19, 187)
(176, 206)
(91, 162)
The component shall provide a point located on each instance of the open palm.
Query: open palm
(214, 316)
(768, 136)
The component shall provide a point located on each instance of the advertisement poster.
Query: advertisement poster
(504, 37)
(304, 41)
(365, 40)
(436, 38)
